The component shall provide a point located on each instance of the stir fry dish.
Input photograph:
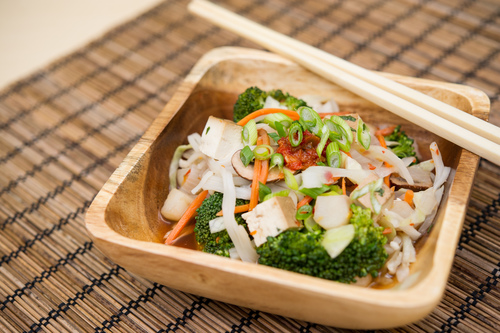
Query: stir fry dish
(297, 184)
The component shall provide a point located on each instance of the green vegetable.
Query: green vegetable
(264, 191)
(290, 180)
(344, 127)
(277, 160)
(300, 250)
(280, 118)
(364, 137)
(263, 152)
(304, 212)
(249, 133)
(246, 155)
(311, 119)
(218, 243)
(325, 134)
(314, 192)
(404, 148)
(295, 134)
(283, 193)
(333, 157)
(253, 99)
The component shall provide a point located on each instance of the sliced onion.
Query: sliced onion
(202, 182)
(236, 232)
(316, 176)
(388, 156)
(442, 172)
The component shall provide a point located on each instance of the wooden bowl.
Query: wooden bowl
(123, 219)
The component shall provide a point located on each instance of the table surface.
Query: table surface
(67, 126)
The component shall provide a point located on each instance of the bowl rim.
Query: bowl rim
(426, 292)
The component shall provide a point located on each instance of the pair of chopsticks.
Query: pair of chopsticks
(461, 128)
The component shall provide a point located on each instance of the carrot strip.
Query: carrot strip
(262, 112)
(259, 170)
(186, 217)
(344, 190)
(237, 209)
(387, 181)
(381, 139)
(409, 197)
(385, 131)
(306, 200)
(386, 231)
(264, 167)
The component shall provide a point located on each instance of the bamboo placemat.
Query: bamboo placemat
(65, 129)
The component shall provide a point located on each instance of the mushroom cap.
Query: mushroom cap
(246, 172)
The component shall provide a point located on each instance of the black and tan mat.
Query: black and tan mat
(65, 129)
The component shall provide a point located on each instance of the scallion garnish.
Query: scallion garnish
(295, 134)
(325, 134)
(277, 160)
(280, 128)
(249, 133)
(281, 118)
(304, 212)
(246, 155)
(283, 193)
(333, 157)
(335, 131)
(364, 137)
(263, 152)
(345, 129)
(290, 180)
(311, 119)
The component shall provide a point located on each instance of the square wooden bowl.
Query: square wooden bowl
(123, 219)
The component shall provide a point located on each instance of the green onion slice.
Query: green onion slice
(263, 152)
(311, 225)
(277, 160)
(280, 128)
(333, 157)
(246, 155)
(314, 192)
(264, 190)
(281, 118)
(335, 131)
(274, 136)
(363, 133)
(325, 134)
(344, 144)
(249, 133)
(346, 129)
(311, 119)
(304, 212)
(283, 193)
(290, 180)
(295, 134)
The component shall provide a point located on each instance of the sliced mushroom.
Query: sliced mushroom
(247, 171)
(421, 178)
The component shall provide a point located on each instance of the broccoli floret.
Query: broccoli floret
(254, 98)
(218, 243)
(405, 146)
(300, 250)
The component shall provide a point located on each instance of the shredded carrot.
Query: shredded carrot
(347, 153)
(306, 200)
(326, 114)
(371, 166)
(386, 231)
(381, 139)
(387, 181)
(237, 209)
(186, 217)
(264, 167)
(262, 112)
(260, 171)
(253, 232)
(344, 190)
(409, 197)
(385, 131)
(186, 175)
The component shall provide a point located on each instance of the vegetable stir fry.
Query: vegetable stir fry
(298, 185)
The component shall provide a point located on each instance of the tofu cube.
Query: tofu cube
(221, 138)
(270, 218)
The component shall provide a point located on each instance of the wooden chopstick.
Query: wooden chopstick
(467, 131)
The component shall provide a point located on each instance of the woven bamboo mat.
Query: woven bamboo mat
(65, 129)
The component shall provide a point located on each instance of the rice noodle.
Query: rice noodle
(237, 233)
(193, 158)
(194, 140)
(388, 156)
(202, 182)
